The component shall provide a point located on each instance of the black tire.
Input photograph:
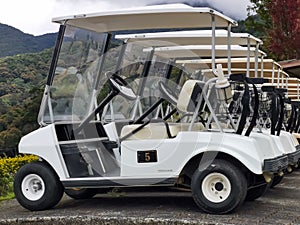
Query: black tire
(219, 177)
(37, 186)
(82, 193)
(256, 192)
(276, 180)
(296, 166)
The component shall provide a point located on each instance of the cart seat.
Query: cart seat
(186, 103)
(296, 137)
(157, 130)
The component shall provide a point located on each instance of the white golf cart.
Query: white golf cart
(196, 44)
(82, 155)
(279, 81)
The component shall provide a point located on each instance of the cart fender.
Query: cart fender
(43, 143)
(244, 149)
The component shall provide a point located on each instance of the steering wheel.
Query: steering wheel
(168, 93)
(119, 85)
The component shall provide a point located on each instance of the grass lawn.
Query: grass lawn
(10, 195)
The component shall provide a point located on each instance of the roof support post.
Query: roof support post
(262, 66)
(229, 48)
(137, 104)
(256, 59)
(248, 57)
(213, 43)
(120, 59)
(273, 73)
(278, 77)
(94, 102)
(298, 90)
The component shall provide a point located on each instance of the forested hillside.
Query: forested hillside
(14, 41)
(22, 79)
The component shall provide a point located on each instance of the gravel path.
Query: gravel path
(281, 205)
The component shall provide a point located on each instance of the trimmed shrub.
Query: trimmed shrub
(9, 167)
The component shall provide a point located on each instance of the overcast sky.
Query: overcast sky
(34, 16)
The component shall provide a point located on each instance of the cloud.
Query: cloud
(30, 16)
(34, 16)
(237, 9)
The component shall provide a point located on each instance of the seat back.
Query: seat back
(187, 102)
(189, 96)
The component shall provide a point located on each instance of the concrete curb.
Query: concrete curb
(105, 220)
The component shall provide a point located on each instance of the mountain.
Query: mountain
(14, 41)
(22, 80)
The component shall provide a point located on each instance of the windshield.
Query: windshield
(77, 69)
(79, 83)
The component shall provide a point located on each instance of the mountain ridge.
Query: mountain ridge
(13, 41)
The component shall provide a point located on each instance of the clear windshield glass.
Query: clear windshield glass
(75, 75)
(143, 81)
(80, 65)
(73, 93)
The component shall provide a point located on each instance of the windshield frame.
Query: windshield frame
(46, 99)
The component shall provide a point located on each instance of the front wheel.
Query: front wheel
(37, 187)
(220, 188)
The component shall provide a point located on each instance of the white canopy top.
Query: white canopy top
(148, 17)
(196, 51)
(235, 62)
(192, 37)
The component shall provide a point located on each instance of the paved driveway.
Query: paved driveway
(280, 205)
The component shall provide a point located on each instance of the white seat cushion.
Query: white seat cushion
(189, 96)
(157, 130)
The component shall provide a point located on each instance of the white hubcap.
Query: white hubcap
(33, 187)
(216, 187)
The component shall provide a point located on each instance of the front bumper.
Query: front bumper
(276, 165)
(294, 157)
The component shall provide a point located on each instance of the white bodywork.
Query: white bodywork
(43, 143)
(173, 154)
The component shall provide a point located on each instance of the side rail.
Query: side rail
(275, 110)
(245, 105)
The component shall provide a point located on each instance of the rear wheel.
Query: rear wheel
(37, 187)
(220, 188)
(276, 180)
(257, 192)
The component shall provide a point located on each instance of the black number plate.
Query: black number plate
(147, 156)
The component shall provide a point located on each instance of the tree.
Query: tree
(259, 20)
(277, 22)
(10, 137)
(22, 79)
(285, 33)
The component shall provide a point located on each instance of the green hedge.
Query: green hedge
(8, 168)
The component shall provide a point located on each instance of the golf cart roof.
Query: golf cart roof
(293, 86)
(235, 62)
(148, 17)
(196, 51)
(265, 73)
(191, 37)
